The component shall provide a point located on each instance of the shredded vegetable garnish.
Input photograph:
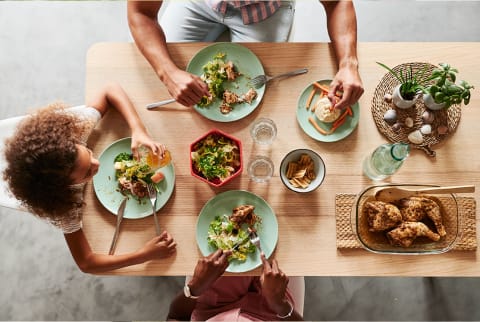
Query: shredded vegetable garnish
(132, 175)
(224, 233)
(215, 73)
(216, 158)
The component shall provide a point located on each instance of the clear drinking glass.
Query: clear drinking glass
(260, 168)
(154, 160)
(263, 131)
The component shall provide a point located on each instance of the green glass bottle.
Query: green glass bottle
(385, 160)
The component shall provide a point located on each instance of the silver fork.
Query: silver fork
(254, 239)
(152, 194)
(261, 80)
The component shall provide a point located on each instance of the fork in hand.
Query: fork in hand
(152, 193)
(261, 80)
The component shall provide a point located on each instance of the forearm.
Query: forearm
(118, 99)
(97, 263)
(181, 308)
(90, 262)
(113, 96)
(149, 36)
(342, 29)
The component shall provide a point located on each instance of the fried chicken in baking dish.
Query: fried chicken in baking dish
(408, 231)
(382, 215)
(416, 208)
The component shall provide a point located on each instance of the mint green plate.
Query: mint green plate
(303, 114)
(246, 63)
(224, 203)
(106, 185)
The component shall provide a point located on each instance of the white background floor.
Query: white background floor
(42, 59)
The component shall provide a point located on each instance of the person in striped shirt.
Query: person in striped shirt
(247, 21)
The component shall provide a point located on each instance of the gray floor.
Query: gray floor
(42, 59)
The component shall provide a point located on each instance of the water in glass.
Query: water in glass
(260, 169)
(263, 131)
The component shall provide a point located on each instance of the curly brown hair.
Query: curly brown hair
(40, 158)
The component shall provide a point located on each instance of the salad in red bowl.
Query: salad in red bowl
(216, 158)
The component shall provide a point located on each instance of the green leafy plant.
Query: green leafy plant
(410, 83)
(445, 90)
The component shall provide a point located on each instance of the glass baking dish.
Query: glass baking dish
(378, 242)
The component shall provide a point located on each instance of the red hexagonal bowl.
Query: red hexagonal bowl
(217, 134)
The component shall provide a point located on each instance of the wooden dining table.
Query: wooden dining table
(307, 239)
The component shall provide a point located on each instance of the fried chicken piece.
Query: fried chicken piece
(408, 231)
(243, 214)
(249, 96)
(382, 216)
(225, 108)
(416, 208)
(230, 70)
(230, 97)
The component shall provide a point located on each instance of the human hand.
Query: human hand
(186, 88)
(347, 80)
(274, 286)
(159, 247)
(208, 270)
(142, 138)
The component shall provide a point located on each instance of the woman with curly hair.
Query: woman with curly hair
(48, 165)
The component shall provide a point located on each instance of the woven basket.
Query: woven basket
(449, 117)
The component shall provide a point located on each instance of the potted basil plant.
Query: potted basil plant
(444, 92)
(411, 85)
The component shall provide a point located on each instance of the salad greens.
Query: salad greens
(123, 156)
(214, 75)
(223, 234)
(132, 175)
(216, 158)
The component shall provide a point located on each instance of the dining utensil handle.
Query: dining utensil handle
(467, 188)
(155, 218)
(114, 241)
(157, 225)
(294, 72)
(161, 103)
(121, 209)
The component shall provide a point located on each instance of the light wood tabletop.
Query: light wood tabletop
(307, 227)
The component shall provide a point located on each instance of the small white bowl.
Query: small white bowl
(319, 168)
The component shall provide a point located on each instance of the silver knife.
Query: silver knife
(120, 212)
(161, 103)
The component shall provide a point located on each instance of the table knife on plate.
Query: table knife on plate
(120, 212)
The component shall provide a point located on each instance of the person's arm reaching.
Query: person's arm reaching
(207, 271)
(342, 29)
(89, 262)
(186, 88)
(274, 289)
(113, 96)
